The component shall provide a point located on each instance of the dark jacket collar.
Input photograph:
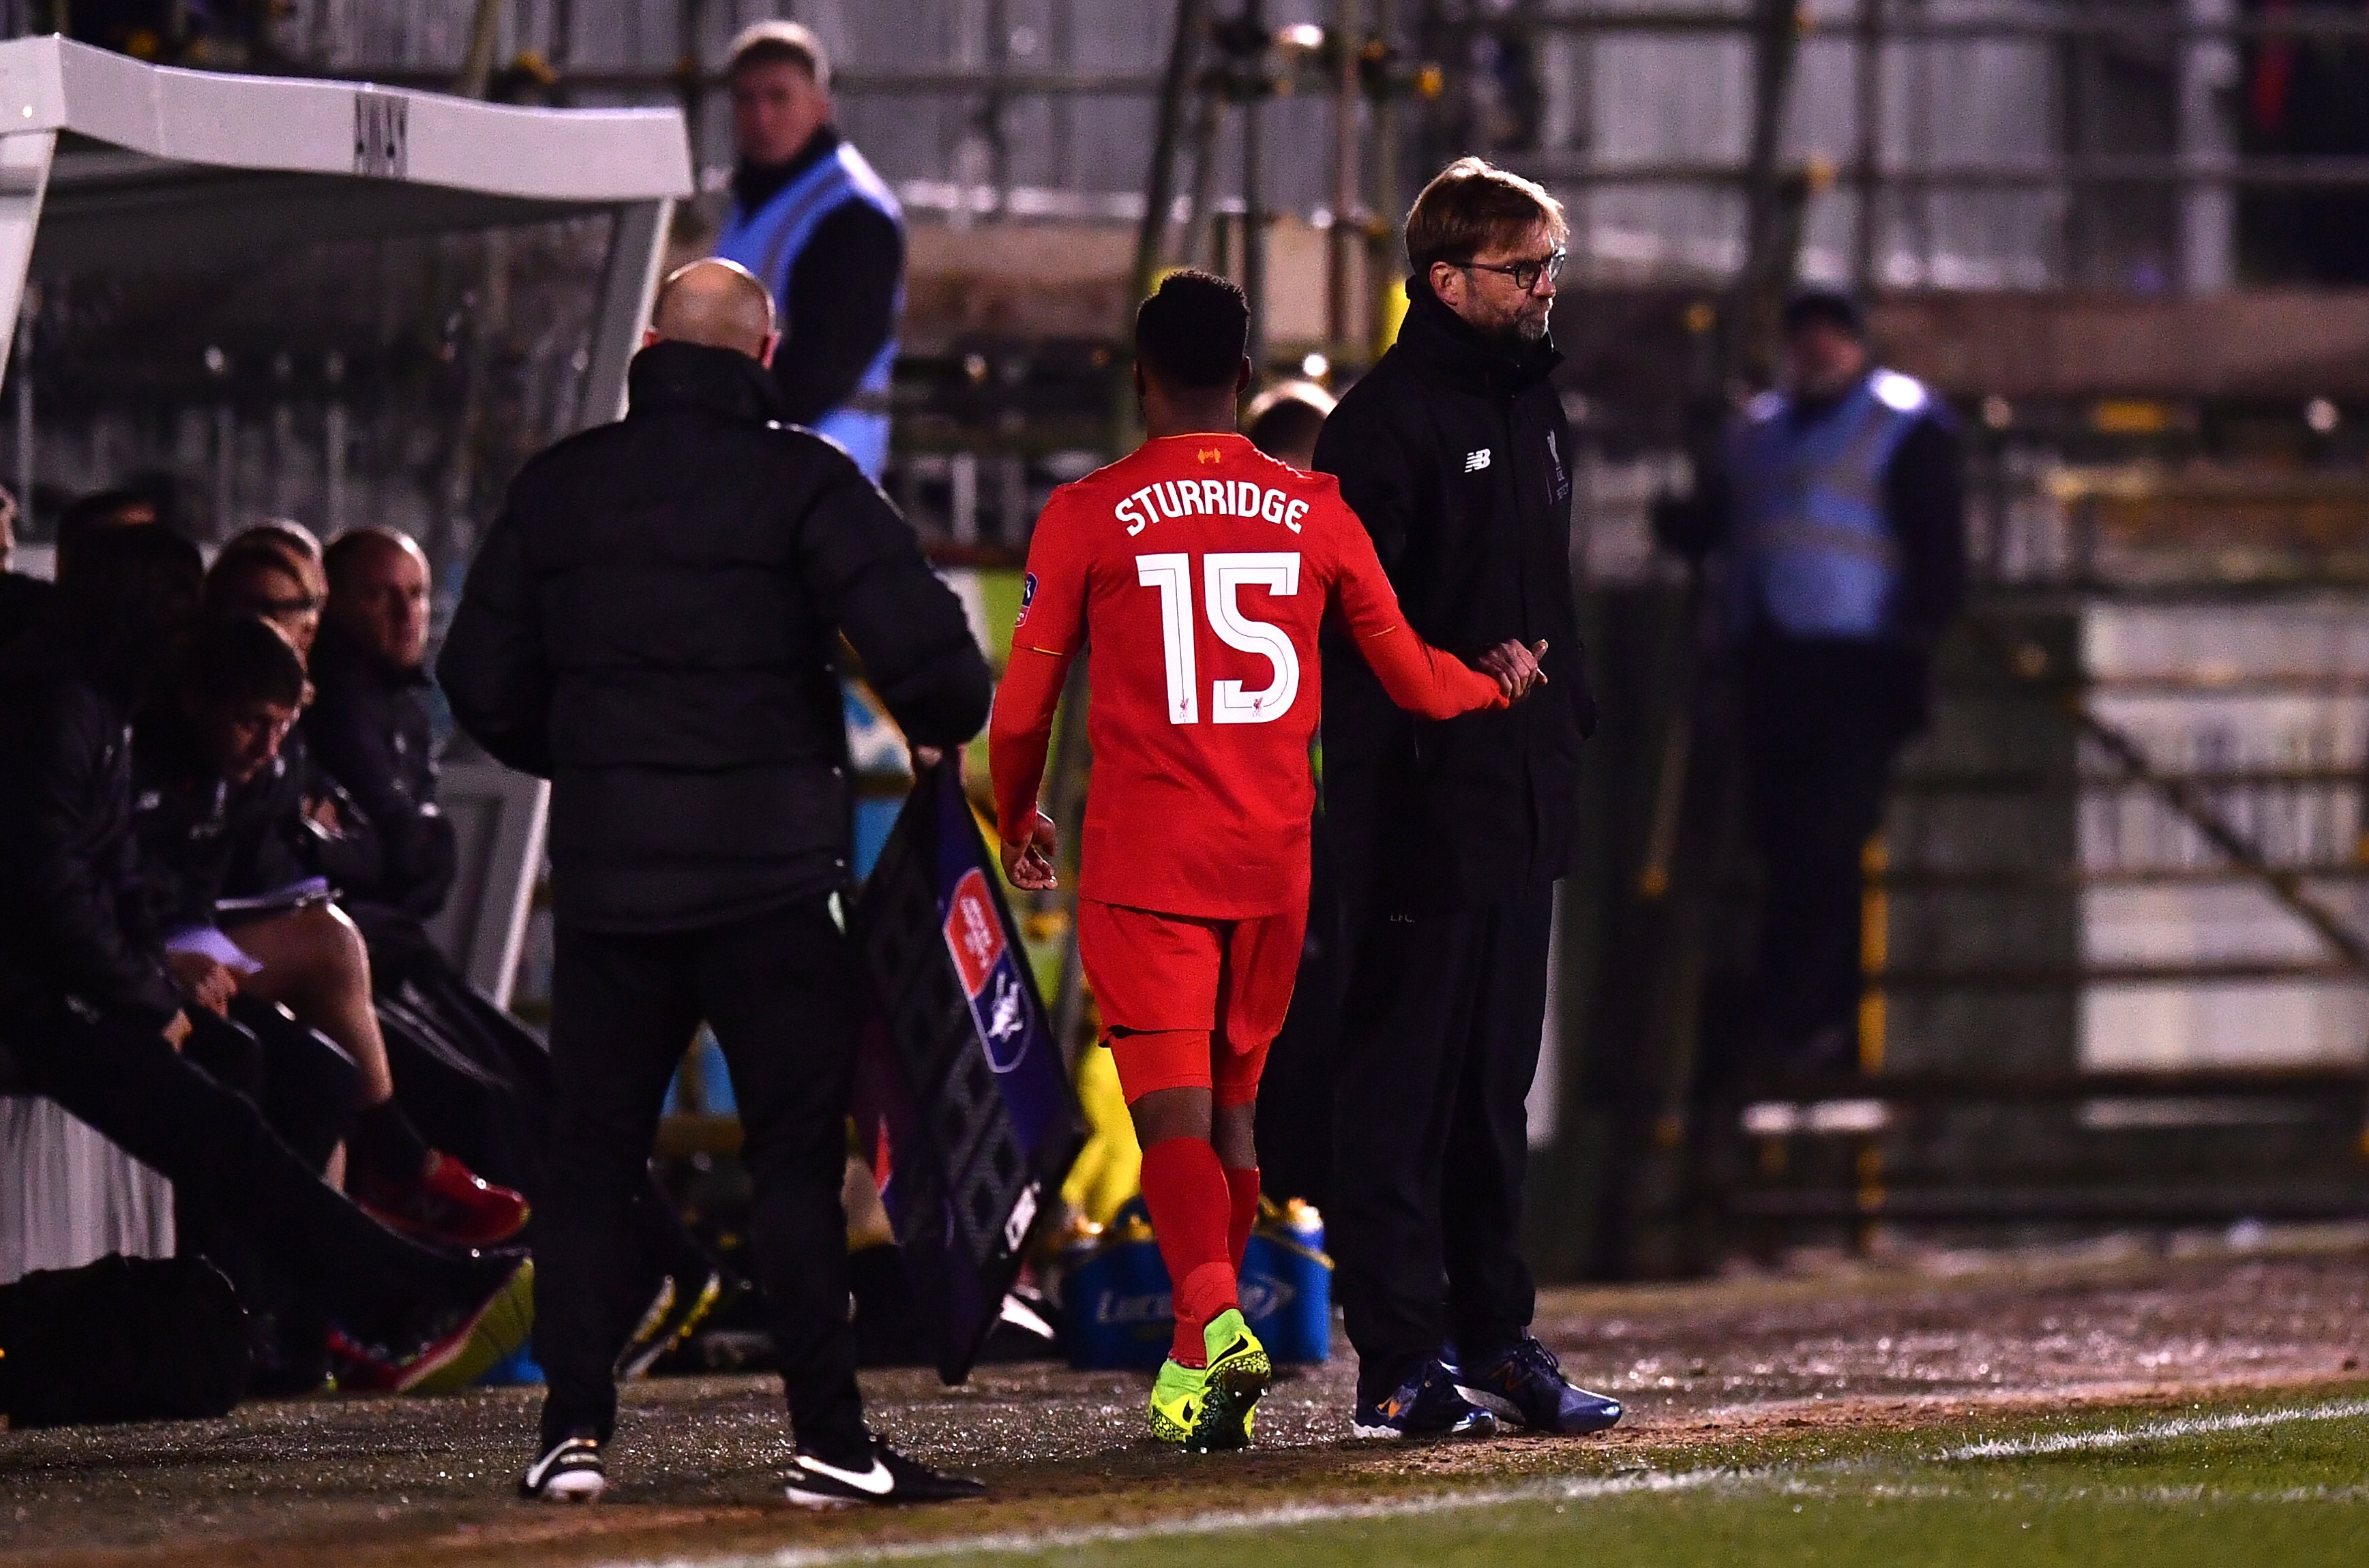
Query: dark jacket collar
(1440, 340)
(753, 185)
(692, 375)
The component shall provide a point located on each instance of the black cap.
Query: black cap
(1827, 302)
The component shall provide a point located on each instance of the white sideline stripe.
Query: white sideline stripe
(1570, 1489)
(2154, 1432)
(1574, 1489)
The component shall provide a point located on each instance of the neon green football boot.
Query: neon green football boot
(1180, 1397)
(1239, 1373)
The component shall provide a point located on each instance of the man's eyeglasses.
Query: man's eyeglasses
(1524, 274)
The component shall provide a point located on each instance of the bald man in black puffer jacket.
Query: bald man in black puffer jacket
(653, 624)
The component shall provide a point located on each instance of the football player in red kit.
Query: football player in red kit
(1194, 573)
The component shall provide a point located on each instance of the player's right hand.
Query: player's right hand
(176, 1030)
(204, 980)
(1030, 865)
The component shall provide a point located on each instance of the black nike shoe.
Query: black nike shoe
(1524, 1382)
(570, 1471)
(890, 1480)
(1426, 1406)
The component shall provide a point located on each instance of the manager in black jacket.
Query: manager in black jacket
(1449, 836)
(652, 625)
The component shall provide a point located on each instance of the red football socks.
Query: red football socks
(1186, 1190)
(1242, 1188)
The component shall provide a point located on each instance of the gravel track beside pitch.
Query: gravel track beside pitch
(1716, 1374)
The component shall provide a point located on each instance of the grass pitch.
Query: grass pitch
(2259, 1482)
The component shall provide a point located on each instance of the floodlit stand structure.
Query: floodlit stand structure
(102, 158)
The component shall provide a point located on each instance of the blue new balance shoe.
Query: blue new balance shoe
(1427, 1405)
(1523, 1381)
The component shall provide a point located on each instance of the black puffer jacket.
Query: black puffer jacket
(369, 731)
(653, 622)
(72, 914)
(1454, 452)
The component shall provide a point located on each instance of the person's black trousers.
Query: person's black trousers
(216, 1149)
(1439, 1039)
(781, 993)
(1823, 721)
(304, 1085)
(479, 1086)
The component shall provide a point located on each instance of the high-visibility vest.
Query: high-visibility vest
(767, 242)
(1813, 553)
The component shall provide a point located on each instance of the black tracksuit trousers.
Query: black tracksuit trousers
(217, 1150)
(781, 993)
(1438, 1042)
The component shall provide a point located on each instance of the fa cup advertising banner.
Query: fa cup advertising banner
(963, 1097)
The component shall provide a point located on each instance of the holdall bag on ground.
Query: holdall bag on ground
(122, 1339)
(963, 1097)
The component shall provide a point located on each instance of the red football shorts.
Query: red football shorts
(1158, 978)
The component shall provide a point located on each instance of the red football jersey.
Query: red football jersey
(1195, 572)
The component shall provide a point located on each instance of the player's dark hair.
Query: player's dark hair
(87, 515)
(234, 660)
(1286, 425)
(129, 600)
(1190, 333)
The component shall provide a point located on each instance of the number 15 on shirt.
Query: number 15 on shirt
(1224, 575)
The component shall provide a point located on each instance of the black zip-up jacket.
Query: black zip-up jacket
(652, 624)
(1455, 453)
(369, 731)
(72, 912)
(202, 838)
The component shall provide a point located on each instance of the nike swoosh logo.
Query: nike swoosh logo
(1238, 1344)
(542, 1468)
(876, 1482)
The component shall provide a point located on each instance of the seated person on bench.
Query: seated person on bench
(95, 1016)
(218, 805)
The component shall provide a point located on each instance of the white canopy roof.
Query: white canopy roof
(180, 161)
(105, 159)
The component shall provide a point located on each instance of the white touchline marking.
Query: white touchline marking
(1572, 1489)
(2153, 1432)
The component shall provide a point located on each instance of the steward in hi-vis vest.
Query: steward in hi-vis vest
(1836, 527)
(1812, 554)
(823, 231)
